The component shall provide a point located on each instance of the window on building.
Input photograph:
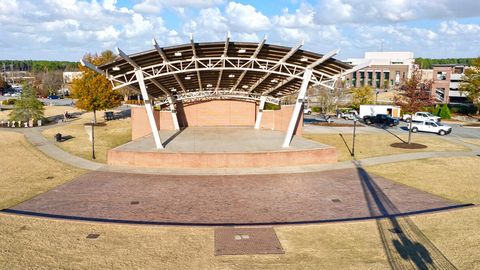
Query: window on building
(397, 77)
(441, 75)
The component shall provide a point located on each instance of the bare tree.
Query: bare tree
(328, 99)
(48, 82)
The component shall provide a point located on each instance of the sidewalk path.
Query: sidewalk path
(34, 135)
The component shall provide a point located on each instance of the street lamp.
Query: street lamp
(93, 139)
(354, 130)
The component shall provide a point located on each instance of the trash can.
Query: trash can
(58, 137)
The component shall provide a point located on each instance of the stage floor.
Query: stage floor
(220, 139)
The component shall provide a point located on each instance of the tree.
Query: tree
(328, 99)
(93, 91)
(362, 95)
(28, 107)
(415, 95)
(48, 82)
(444, 112)
(471, 83)
(3, 84)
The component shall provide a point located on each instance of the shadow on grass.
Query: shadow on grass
(346, 144)
(404, 243)
(394, 135)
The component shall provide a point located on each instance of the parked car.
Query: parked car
(53, 97)
(307, 110)
(383, 119)
(431, 126)
(421, 116)
(350, 115)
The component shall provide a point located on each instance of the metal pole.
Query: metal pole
(93, 139)
(354, 130)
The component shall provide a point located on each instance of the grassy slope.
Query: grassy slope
(373, 145)
(26, 171)
(113, 134)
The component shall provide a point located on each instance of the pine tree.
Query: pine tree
(28, 107)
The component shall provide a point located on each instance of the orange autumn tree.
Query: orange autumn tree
(93, 91)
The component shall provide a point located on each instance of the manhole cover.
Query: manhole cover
(134, 202)
(336, 200)
(93, 236)
(246, 241)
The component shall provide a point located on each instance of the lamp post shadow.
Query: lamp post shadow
(404, 243)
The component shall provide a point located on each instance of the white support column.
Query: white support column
(298, 106)
(174, 113)
(260, 111)
(148, 108)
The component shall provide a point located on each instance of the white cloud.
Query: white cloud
(66, 29)
(374, 11)
(138, 26)
(455, 28)
(155, 6)
(245, 18)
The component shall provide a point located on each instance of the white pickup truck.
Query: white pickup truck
(421, 116)
(350, 115)
(431, 126)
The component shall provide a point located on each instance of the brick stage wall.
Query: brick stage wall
(213, 113)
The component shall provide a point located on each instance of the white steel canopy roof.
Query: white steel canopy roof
(222, 70)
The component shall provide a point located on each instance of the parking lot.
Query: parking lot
(457, 129)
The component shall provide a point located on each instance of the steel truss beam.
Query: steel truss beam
(221, 93)
(194, 51)
(225, 53)
(254, 55)
(165, 59)
(320, 61)
(216, 64)
(278, 64)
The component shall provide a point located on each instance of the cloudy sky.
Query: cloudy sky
(67, 29)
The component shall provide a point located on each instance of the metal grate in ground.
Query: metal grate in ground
(246, 241)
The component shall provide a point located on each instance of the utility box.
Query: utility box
(372, 110)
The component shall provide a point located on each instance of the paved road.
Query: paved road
(458, 131)
(53, 102)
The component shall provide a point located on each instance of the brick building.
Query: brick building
(446, 82)
(386, 71)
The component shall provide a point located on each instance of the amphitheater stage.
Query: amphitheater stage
(221, 147)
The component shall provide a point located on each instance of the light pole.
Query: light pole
(354, 130)
(93, 139)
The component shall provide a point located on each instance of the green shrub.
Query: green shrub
(10, 101)
(436, 110)
(270, 106)
(430, 109)
(444, 112)
(463, 108)
(316, 109)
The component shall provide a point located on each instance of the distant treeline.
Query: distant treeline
(37, 65)
(427, 63)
